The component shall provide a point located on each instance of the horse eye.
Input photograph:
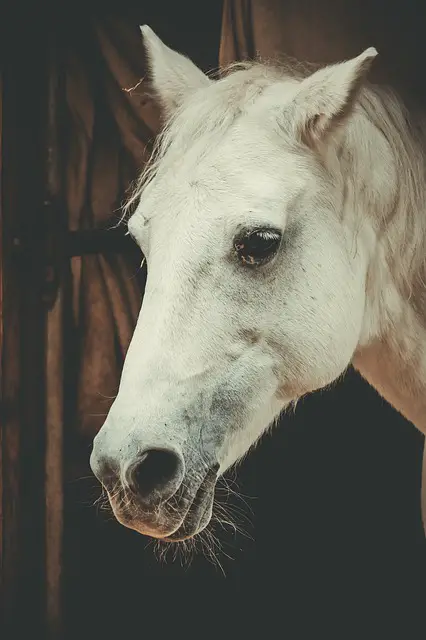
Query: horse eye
(255, 247)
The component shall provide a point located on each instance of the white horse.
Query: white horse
(283, 220)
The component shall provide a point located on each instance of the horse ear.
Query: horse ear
(327, 96)
(173, 75)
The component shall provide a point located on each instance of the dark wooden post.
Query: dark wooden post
(22, 328)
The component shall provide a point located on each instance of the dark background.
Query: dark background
(334, 544)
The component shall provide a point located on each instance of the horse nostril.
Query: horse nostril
(157, 472)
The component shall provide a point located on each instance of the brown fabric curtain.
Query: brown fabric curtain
(109, 133)
(327, 31)
(305, 29)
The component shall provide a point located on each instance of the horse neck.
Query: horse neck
(395, 365)
(390, 169)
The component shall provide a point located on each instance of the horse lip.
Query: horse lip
(192, 515)
(197, 509)
(183, 532)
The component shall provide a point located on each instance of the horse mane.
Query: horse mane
(208, 116)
